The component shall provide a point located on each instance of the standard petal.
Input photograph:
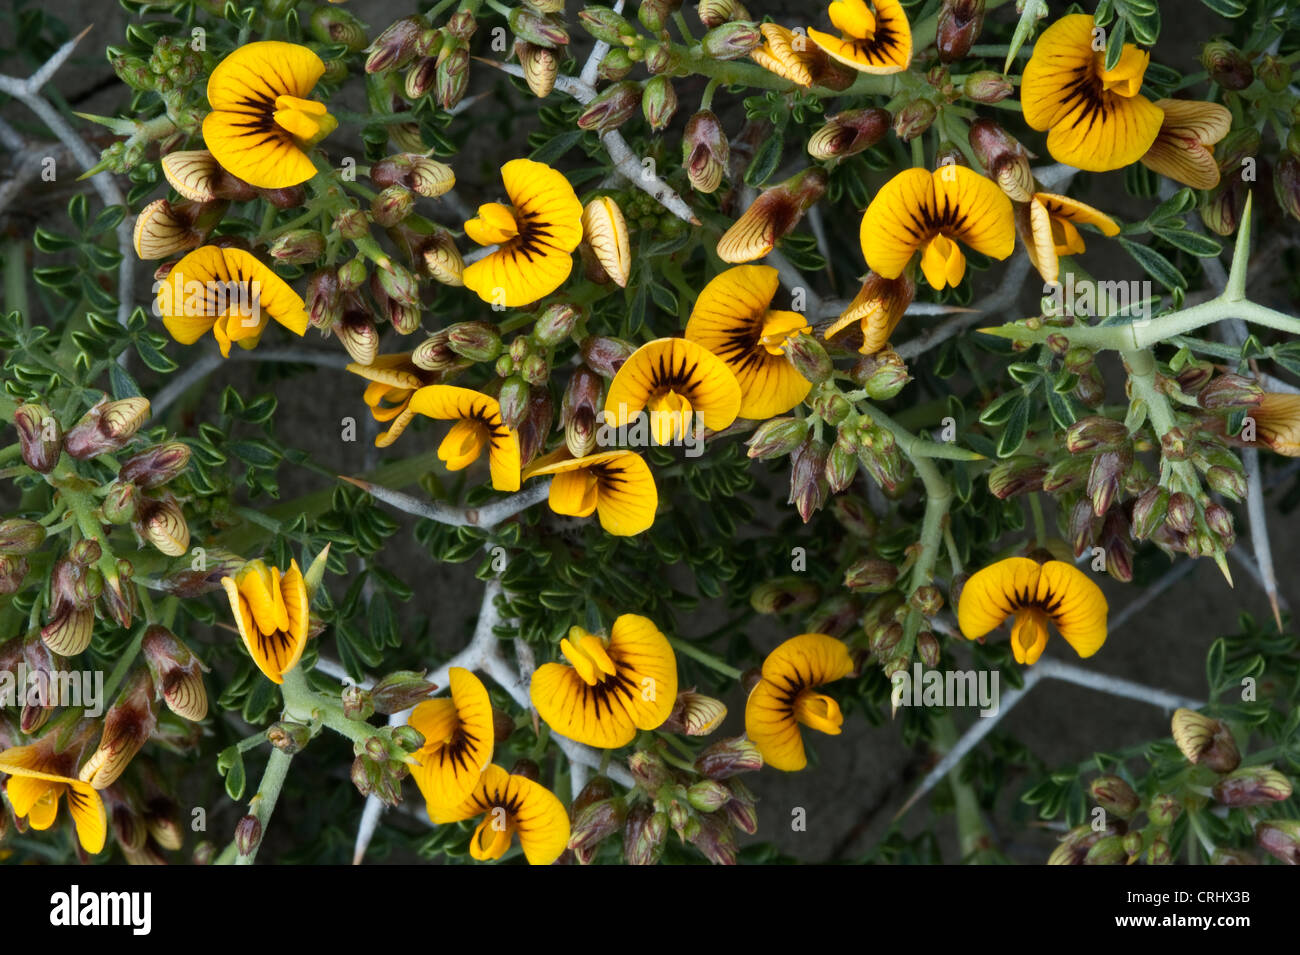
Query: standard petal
(643, 655)
(88, 815)
(540, 819)
(595, 715)
(770, 724)
(810, 659)
(1076, 605)
(995, 593)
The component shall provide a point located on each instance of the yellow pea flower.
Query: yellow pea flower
(1096, 119)
(39, 777)
(615, 485)
(458, 739)
(877, 308)
(230, 293)
(511, 805)
(611, 687)
(677, 380)
(1277, 423)
(271, 613)
(792, 56)
(785, 696)
(1048, 227)
(873, 38)
(1035, 594)
(478, 425)
(931, 212)
(394, 379)
(261, 122)
(1183, 149)
(733, 319)
(535, 236)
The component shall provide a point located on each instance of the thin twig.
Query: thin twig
(489, 515)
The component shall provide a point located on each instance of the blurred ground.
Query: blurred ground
(860, 778)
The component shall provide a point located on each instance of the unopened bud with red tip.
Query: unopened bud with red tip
(334, 25)
(729, 757)
(156, 466)
(705, 151)
(392, 205)
(987, 86)
(248, 834)
(177, 673)
(556, 324)
(1115, 796)
(400, 691)
(540, 65)
(162, 523)
(1163, 809)
(1108, 850)
(513, 399)
(606, 355)
(298, 247)
(883, 374)
(1004, 159)
(357, 703)
(395, 47)
(40, 437)
(1227, 65)
(714, 13)
(615, 65)
(477, 341)
(871, 575)
(1286, 184)
(451, 77)
(1205, 741)
(1180, 514)
(914, 119)
(730, 41)
(643, 835)
(595, 817)
(809, 358)
(1094, 432)
(960, 22)
(1252, 786)
(1017, 475)
(649, 771)
(1106, 476)
(612, 108)
(1229, 482)
(538, 28)
(324, 299)
(849, 133)
(106, 427)
(19, 537)
(658, 102)
(1230, 392)
(1280, 838)
(408, 739)
(128, 724)
(605, 25)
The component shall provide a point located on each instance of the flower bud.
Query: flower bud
(442, 260)
(1115, 796)
(395, 47)
(696, 714)
(392, 205)
(649, 771)
(914, 119)
(658, 102)
(1181, 512)
(40, 437)
(708, 795)
(1205, 741)
(613, 107)
(1228, 482)
(1149, 512)
(477, 341)
(556, 323)
(809, 358)
(705, 151)
(248, 834)
(713, 13)
(1230, 392)
(605, 25)
(324, 302)
(729, 757)
(162, 523)
(19, 537)
(615, 65)
(1252, 786)
(1280, 838)
(399, 284)
(298, 247)
(871, 575)
(606, 355)
(128, 724)
(987, 86)
(432, 354)
(155, 466)
(400, 691)
(926, 600)
(288, 736)
(540, 66)
(1286, 184)
(1163, 809)
(960, 22)
(849, 133)
(106, 427)
(784, 594)
(771, 217)
(357, 703)
(643, 835)
(334, 25)
(177, 673)
(1017, 475)
(514, 401)
(807, 476)
(451, 79)
(1108, 850)
(537, 28)
(854, 517)
(1105, 477)
(882, 374)
(408, 739)
(1093, 432)
(1227, 65)
(593, 820)
(730, 41)
(1004, 158)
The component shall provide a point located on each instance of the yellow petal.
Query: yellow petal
(681, 366)
(810, 659)
(260, 72)
(644, 656)
(625, 497)
(459, 739)
(728, 319)
(605, 230)
(887, 50)
(494, 224)
(770, 723)
(88, 815)
(192, 173)
(1076, 605)
(449, 402)
(995, 593)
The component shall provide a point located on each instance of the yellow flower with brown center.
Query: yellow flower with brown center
(734, 320)
(271, 614)
(611, 687)
(1048, 225)
(39, 777)
(679, 382)
(1035, 594)
(478, 425)
(229, 293)
(458, 740)
(393, 380)
(873, 38)
(615, 485)
(1096, 119)
(878, 308)
(511, 805)
(261, 122)
(930, 212)
(786, 696)
(1183, 150)
(535, 236)
(1277, 422)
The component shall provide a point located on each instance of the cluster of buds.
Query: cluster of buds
(704, 811)
(106, 427)
(143, 818)
(18, 539)
(380, 767)
(172, 66)
(75, 584)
